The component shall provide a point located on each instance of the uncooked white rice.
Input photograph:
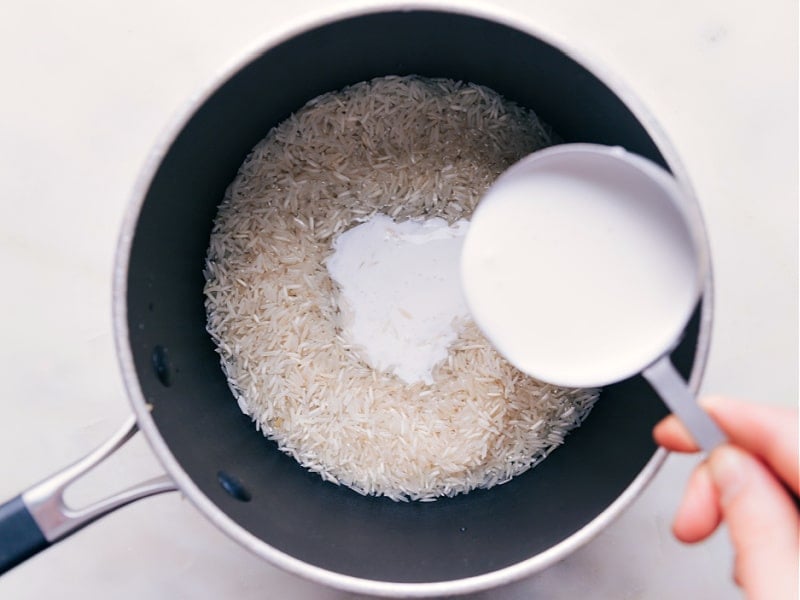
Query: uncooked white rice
(407, 147)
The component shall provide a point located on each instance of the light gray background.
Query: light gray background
(87, 86)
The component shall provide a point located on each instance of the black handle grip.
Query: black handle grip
(20, 536)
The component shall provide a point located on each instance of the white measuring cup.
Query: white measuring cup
(582, 266)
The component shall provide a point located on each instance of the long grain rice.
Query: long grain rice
(407, 147)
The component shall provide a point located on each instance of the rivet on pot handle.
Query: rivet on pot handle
(39, 517)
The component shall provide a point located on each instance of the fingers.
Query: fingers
(672, 435)
(740, 483)
(762, 522)
(699, 513)
(769, 432)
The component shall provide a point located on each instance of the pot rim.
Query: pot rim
(349, 583)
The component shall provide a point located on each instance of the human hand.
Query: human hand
(742, 482)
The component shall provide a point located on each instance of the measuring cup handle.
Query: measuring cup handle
(674, 391)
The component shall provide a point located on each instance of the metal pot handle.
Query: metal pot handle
(39, 517)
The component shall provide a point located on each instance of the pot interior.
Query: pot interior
(178, 370)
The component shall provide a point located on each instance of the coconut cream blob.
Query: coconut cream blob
(400, 295)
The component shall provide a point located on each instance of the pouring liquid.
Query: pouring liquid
(578, 274)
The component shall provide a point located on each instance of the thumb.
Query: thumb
(762, 522)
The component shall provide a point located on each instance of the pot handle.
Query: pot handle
(39, 517)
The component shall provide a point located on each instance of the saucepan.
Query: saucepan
(213, 454)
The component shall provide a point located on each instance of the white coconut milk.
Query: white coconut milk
(576, 280)
(400, 293)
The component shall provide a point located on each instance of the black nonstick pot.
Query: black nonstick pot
(211, 451)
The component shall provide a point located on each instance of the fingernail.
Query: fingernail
(710, 402)
(706, 401)
(728, 471)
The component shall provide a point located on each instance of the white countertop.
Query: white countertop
(86, 89)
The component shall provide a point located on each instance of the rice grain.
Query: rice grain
(407, 147)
